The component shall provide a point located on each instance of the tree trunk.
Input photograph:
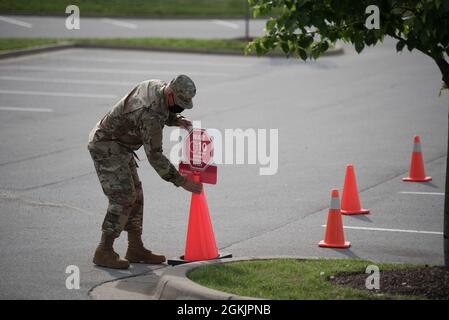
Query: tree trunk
(446, 207)
(444, 67)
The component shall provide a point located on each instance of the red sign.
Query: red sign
(199, 149)
(198, 155)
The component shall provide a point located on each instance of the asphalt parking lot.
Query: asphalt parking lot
(54, 27)
(361, 109)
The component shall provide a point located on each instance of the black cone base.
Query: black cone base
(175, 262)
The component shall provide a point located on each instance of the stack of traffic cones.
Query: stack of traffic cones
(417, 172)
(334, 236)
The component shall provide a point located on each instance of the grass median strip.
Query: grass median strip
(219, 46)
(178, 43)
(21, 43)
(318, 279)
(233, 45)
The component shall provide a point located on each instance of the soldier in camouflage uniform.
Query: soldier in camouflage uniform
(137, 119)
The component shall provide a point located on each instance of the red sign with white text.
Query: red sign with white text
(198, 155)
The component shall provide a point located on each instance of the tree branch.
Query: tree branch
(444, 68)
(440, 61)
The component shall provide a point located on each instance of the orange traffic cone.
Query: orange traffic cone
(350, 202)
(200, 242)
(417, 171)
(334, 236)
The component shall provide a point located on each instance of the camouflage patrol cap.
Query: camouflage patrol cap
(184, 90)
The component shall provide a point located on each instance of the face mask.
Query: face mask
(176, 109)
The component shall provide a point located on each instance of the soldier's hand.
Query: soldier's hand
(185, 123)
(193, 186)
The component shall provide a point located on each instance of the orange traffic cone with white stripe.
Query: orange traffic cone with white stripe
(417, 172)
(334, 236)
(350, 202)
(200, 242)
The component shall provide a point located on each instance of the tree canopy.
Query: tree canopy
(307, 28)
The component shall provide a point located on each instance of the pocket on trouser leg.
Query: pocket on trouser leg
(135, 220)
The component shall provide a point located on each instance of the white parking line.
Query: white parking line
(391, 230)
(59, 94)
(70, 81)
(117, 71)
(226, 24)
(16, 22)
(119, 23)
(429, 193)
(26, 109)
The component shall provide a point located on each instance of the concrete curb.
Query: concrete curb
(41, 49)
(171, 283)
(174, 284)
(34, 50)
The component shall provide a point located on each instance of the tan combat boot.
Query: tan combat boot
(137, 253)
(105, 256)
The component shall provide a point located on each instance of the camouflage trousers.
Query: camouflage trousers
(117, 171)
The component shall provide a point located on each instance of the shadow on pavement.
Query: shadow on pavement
(347, 252)
(430, 184)
(362, 217)
(134, 270)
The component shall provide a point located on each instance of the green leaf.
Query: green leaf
(270, 24)
(268, 43)
(315, 53)
(359, 45)
(411, 44)
(324, 46)
(285, 47)
(400, 45)
(305, 41)
(259, 49)
(248, 48)
(302, 54)
(446, 6)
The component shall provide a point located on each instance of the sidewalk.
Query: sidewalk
(167, 283)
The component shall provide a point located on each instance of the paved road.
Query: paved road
(51, 27)
(363, 109)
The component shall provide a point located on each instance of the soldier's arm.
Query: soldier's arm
(152, 142)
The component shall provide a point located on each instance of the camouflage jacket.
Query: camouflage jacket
(138, 119)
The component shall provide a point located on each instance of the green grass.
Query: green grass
(154, 8)
(203, 45)
(288, 279)
(181, 43)
(19, 43)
